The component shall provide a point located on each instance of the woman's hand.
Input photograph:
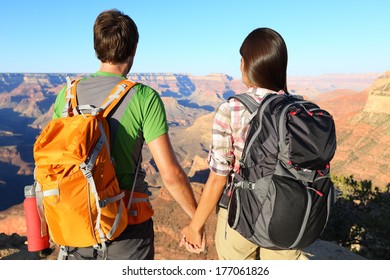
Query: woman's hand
(193, 240)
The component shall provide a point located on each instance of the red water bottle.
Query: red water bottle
(37, 232)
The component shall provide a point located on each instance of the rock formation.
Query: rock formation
(379, 96)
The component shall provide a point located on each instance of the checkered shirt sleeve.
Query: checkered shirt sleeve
(230, 126)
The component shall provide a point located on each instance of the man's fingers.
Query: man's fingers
(182, 241)
(192, 249)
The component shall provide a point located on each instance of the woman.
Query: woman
(263, 69)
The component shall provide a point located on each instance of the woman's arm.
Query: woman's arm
(208, 201)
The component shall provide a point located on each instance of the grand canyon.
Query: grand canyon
(358, 102)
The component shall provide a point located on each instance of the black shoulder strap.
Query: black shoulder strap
(248, 101)
(264, 104)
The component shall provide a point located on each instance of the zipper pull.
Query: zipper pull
(316, 191)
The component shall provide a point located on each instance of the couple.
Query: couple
(263, 68)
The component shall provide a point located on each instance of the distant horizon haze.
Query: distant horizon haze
(312, 75)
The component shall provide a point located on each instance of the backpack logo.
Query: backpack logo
(282, 196)
(76, 186)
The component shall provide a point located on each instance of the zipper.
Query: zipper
(328, 204)
(315, 190)
(230, 182)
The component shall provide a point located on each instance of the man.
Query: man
(139, 117)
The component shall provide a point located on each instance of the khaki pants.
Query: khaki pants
(231, 245)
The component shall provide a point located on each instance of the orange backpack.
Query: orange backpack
(76, 186)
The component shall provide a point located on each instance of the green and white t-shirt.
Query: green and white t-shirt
(137, 118)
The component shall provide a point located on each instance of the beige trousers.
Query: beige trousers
(231, 245)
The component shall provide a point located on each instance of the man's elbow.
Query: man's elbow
(173, 176)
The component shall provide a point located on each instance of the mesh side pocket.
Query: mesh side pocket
(246, 207)
(243, 211)
(290, 208)
(319, 212)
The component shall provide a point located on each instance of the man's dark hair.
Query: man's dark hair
(115, 36)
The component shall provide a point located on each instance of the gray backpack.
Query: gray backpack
(282, 196)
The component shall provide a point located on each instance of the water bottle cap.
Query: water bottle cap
(29, 191)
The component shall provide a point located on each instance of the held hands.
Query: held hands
(193, 240)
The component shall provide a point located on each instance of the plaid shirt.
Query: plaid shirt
(230, 127)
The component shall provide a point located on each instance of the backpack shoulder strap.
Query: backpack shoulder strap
(248, 101)
(71, 99)
(108, 104)
(116, 95)
(263, 106)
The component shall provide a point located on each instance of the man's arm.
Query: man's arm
(173, 176)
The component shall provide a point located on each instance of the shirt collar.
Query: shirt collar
(261, 92)
(106, 74)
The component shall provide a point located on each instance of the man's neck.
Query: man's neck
(121, 69)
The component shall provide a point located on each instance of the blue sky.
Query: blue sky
(198, 37)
